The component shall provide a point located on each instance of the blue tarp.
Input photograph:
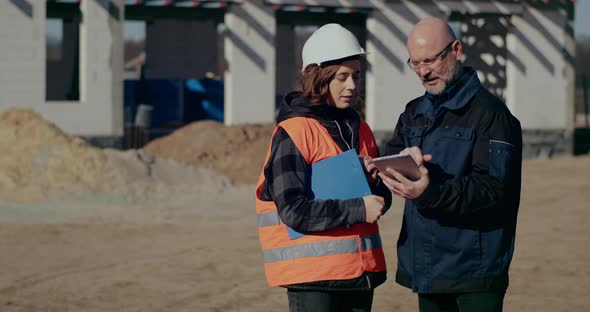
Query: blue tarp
(212, 103)
(175, 101)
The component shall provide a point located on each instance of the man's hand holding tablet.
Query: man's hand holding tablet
(402, 163)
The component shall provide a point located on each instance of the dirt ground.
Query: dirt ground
(235, 151)
(196, 249)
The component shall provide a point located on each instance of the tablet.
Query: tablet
(402, 163)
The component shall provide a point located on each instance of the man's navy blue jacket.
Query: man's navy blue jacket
(458, 236)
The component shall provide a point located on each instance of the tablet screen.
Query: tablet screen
(402, 163)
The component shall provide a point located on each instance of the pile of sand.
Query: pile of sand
(39, 161)
(235, 151)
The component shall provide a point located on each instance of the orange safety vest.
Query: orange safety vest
(336, 254)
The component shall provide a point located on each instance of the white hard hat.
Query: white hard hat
(330, 42)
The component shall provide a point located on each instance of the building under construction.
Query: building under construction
(523, 51)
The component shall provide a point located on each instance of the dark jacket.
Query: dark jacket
(286, 171)
(459, 234)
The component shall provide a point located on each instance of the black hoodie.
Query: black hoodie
(286, 172)
(342, 124)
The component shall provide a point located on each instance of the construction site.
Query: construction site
(128, 169)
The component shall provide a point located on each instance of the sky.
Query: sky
(136, 30)
(582, 18)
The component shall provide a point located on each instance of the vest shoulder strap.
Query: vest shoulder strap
(310, 137)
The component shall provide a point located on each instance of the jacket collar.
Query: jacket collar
(454, 97)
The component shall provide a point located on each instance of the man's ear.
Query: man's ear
(457, 49)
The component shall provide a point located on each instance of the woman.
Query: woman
(339, 261)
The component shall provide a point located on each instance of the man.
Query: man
(457, 236)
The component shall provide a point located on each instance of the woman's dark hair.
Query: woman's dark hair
(315, 80)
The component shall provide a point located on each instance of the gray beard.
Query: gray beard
(447, 81)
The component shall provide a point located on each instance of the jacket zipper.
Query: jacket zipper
(501, 142)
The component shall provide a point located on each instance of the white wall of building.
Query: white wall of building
(22, 54)
(250, 57)
(540, 77)
(99, 112)
(539, 73)
(391, 84)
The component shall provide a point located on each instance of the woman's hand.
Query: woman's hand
(370, 169)
(373, 208)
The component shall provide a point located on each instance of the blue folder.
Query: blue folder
(338, 177)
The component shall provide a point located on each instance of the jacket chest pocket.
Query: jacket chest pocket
(452, 148)
(412, 135)
(457, 134)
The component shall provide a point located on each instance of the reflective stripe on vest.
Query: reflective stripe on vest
(268, 219)
(333, 247)
(272, 218)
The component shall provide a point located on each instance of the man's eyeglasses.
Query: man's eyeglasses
(432, 62)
